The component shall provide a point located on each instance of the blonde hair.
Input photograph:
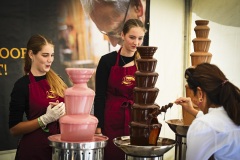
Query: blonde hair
(35, 44)
(57, 85)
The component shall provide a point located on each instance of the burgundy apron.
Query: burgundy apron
(35, 145)
(117, 111)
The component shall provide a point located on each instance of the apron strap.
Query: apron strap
(118, 56)
(126, 106)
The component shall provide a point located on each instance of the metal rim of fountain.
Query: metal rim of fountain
(96, 142)
(163, 145)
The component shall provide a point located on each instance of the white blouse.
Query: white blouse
(213, 133)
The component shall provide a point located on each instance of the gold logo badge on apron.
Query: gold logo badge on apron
(51, 95)
(128, 80)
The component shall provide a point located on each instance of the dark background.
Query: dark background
(18, 21)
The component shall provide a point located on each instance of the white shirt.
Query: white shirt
(213, 133)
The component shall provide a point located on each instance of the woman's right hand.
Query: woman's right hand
(187, 105)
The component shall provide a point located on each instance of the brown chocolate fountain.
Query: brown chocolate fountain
(144, 142)
(180, 126)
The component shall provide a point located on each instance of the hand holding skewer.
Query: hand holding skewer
(156, 112)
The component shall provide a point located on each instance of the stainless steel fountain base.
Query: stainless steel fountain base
(134, 152)
(180, 128)
(89, 150)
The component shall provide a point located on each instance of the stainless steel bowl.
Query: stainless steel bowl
(178, 126)
(163, 145)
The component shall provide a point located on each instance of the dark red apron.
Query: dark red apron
(117, 111)
(35, 145)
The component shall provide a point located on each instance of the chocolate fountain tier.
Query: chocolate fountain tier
(80, 75)
(202, 30)
(146, 80)
(81, 150)
(201, 44)
(146, 65)
(178, 126)
(145, 134)
(145, 95)
(200, 57)
(140, 113)
(144, 113)
(163, 145)
(146, 52)
(78, 127)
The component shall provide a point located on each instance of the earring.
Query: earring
(200, 100)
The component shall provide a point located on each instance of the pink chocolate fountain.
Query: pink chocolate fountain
(77, 139)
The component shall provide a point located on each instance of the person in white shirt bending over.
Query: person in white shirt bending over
(215, 132)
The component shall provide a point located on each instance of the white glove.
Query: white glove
(53, 113)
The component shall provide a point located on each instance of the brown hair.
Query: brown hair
(35, 44)
(131, 23)
(219, 90)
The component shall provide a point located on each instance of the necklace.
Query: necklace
(122, 59)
